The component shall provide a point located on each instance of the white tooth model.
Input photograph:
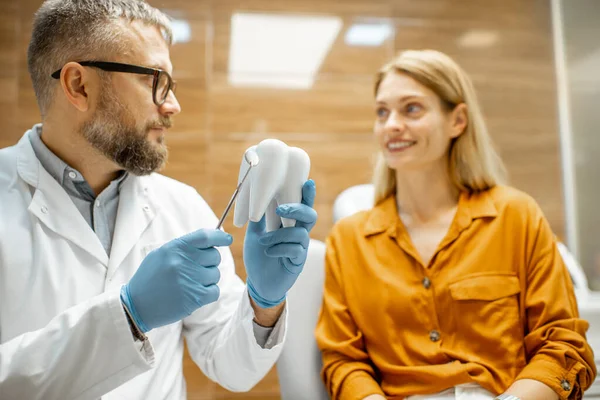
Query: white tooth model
(276, 179)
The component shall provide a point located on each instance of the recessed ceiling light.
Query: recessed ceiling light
(371, 34)
(274, 50)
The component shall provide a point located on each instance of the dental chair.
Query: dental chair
(299, 365)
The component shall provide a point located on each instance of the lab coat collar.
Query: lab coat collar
(53, 206)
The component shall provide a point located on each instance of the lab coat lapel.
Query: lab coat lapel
(53, 206)
(135, 213)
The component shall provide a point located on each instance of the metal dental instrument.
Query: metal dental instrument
(252, 159)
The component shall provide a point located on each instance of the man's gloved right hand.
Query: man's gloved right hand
(175, 279)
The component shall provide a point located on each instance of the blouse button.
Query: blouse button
(434, 336)
(565, 385)
(426, 283)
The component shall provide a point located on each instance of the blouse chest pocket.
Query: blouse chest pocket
(486, 314)
(485, 288)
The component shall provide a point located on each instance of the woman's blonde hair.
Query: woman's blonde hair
(474, 164)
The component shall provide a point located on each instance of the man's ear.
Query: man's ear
(74, 81)
(459, 119)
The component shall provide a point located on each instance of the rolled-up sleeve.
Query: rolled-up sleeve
(557, 351)
(347, 371)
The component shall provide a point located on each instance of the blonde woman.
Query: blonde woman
(452, 286)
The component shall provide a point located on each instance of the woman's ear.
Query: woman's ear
(458, 120)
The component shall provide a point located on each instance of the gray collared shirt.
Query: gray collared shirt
(100, 212)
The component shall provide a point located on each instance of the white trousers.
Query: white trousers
(467, 391)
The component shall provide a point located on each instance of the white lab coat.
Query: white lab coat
(63, 332)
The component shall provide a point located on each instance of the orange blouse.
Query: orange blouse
(495, 304)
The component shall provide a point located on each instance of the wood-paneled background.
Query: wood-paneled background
(506, 46)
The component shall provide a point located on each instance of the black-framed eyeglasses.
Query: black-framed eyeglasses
(160, 86)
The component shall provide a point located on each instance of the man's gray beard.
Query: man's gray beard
(112, 131)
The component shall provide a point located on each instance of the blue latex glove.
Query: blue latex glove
(275, 259)
(176, 279)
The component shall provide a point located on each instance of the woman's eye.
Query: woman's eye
(381, 112)
(413, 108)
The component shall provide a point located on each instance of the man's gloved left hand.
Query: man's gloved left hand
(275, 259)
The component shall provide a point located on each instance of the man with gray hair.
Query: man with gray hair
(105, 265)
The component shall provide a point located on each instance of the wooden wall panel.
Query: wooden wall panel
(333, 120)
(10, 50)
